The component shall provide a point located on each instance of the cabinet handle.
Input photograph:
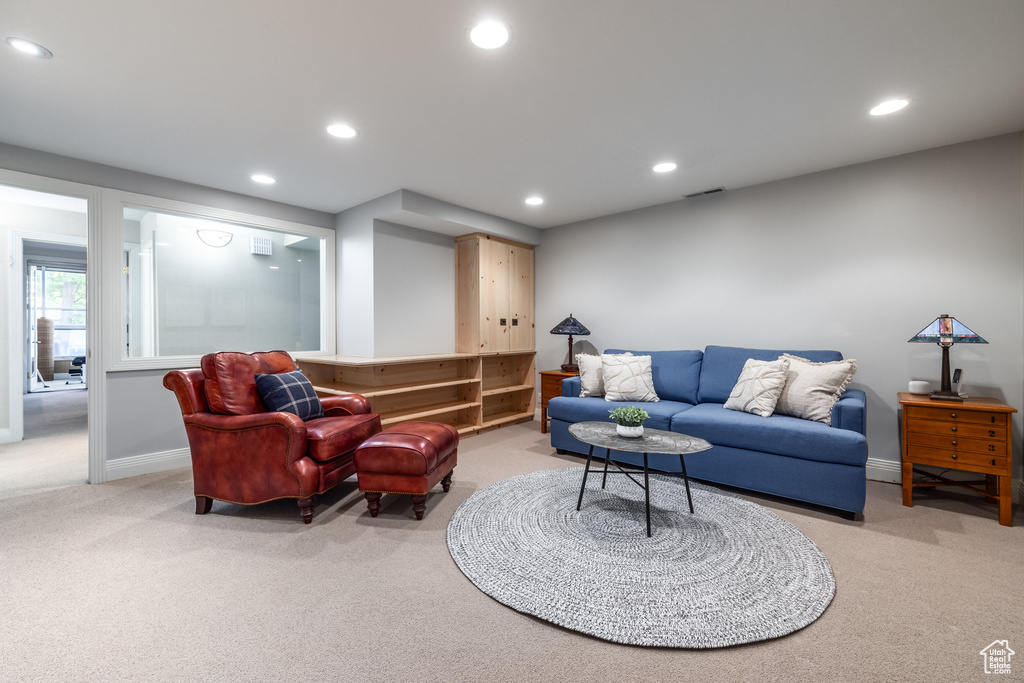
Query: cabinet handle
(953, 415)
(954, 456)
(954, 442)
(954, 429)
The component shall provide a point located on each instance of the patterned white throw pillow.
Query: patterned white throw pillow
(628, 378)
(758, 389)
(592, 374)
(813, 388)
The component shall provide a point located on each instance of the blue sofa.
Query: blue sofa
(783, 456)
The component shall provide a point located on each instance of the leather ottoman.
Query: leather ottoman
(411, 458)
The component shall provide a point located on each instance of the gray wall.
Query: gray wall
(856, 259)
(413, 291)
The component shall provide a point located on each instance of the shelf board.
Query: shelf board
(421, 412)
(508, 389)
(382, 360)
(339, 389)
(505, 418)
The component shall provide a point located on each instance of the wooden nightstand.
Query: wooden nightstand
(972, 436)
(550, 386)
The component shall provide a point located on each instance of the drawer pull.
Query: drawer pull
(954, 443)
(954, 429)
(953, 415)
(954, 456)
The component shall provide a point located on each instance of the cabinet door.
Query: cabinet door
(494, 291)
(520, 299)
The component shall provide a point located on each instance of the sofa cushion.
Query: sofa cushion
(676, 373)
(779, 434)
(722, 365)
(289, 392)
(759, 386)
(573, 410)
(628, 378)
(330, 437)
(813, 388)
(230, 379)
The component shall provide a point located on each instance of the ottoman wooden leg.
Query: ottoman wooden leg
(446, 483)
(372, 502)
(419, 504)
(306, 506)
(203, 505)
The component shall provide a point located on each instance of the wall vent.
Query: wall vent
(713, 190)
(261, 246)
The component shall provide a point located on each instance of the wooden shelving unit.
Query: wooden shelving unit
(471, 392)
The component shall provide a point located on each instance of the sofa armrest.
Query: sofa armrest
(850, 411)
(571, 387)
(350, 404)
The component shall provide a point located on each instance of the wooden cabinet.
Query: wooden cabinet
(468, 391)
(494, 295)
(973, 436)
(550, 386)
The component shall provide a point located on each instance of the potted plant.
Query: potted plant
(629, 421)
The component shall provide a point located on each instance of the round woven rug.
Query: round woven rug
(731, 573)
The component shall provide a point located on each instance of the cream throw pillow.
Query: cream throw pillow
(813, 388)
(592, 374)
(758, 389)
(628, 378)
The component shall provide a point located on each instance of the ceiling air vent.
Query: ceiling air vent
(713, 190)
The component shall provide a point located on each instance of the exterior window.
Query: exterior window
(58, 293)
(194, 285)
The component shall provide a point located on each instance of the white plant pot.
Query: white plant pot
(630, 432)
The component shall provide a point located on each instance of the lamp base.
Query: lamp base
(946, 396)
(570, 367)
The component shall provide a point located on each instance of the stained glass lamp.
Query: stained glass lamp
(946, 331)
(570, 326)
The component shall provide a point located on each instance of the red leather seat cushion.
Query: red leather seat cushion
(330, 437)
(231, 379)
(407, 448)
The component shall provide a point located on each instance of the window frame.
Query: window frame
(113, 271)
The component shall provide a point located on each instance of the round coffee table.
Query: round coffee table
(603, 435)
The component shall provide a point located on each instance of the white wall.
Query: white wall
(413, 291)
(857, 259)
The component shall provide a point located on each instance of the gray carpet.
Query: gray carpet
(731, 573)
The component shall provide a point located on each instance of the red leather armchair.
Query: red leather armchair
(243, 454)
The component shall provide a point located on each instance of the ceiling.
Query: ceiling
(584, 99)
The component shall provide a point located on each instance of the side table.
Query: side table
(550, 386)
(973, 436)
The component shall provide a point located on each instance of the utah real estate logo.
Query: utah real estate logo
(997, 657)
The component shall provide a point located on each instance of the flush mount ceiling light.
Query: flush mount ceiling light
(214, 238)
(29, 48)
(534, 201)
(263, 179)
(888, 107)
(489, 34)
(664, 167)
(342, 130)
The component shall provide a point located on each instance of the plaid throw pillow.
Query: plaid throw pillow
(290, 392)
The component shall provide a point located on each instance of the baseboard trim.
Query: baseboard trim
(884, 470)
(148, 463)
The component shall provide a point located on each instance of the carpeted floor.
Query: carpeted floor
(122, 582)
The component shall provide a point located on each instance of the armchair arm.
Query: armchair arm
(349, 404)
(250, 458)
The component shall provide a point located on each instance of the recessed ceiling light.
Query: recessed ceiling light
(263, 179)
(888, 107)
(664, 167)
(489, 34)
(534, 201)
(342, 130)
(275, 267)
(29, 48)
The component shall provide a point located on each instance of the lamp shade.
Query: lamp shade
(570, 326)
(947, 330)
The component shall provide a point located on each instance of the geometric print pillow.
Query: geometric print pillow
(760, 384)
(290, 392)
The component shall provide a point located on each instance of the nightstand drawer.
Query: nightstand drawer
(938, 457)
(954, 415)
(958, 443)
(968, 431)
(550, 387)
